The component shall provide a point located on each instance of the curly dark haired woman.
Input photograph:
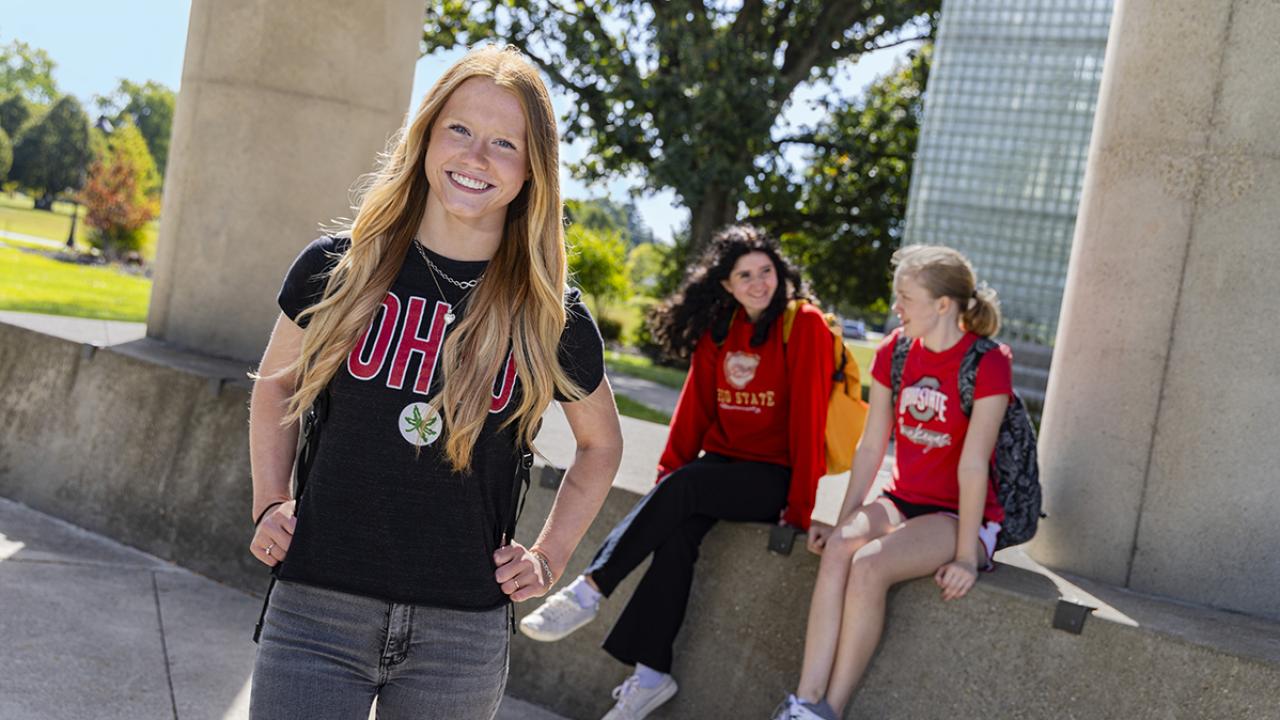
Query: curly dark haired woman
(746, 444)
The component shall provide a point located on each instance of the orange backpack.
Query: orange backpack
(846, 410)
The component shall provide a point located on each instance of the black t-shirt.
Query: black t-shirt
(383, 514)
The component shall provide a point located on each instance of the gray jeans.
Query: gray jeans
(328, 654)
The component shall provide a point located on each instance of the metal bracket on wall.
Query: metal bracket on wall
(1070, 617)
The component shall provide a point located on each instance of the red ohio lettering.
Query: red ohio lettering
(505, 386)
(367, 369)
(411, 341)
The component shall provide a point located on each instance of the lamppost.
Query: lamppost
(105, 126)
(75, 214)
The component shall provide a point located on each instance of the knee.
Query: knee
(841, 546)
(866, 573)
(677, 486)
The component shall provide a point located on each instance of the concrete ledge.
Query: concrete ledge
(149, 445)
(992, 654)
(140, 442)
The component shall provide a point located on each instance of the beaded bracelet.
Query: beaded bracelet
(546, 566)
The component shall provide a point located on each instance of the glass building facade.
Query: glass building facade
(1001, 156)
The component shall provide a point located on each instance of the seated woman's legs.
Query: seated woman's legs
(917, 548)
(712, 486)
(826, 608)
(647, 627)
(670, 521)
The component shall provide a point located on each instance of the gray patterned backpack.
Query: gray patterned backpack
(1014, 464)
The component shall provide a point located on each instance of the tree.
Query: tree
(14, 113)
(150, 107)
(52, 154)
(606, 214)
(120, 194)
(841, 217)
(686, 94)
(6, 154)
(600, 214)
(644, 263)
(598, 263)
(28, 72)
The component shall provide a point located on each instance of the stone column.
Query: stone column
(284, 103)
(1158, 448)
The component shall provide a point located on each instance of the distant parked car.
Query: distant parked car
(855, 329)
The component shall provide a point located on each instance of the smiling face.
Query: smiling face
(917, 310)
(752, 282)
(476, 161)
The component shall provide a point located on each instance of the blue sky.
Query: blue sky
(95, 44)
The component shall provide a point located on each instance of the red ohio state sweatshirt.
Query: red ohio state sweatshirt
(765, 404)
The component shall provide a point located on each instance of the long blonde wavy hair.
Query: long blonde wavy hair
(519, 305)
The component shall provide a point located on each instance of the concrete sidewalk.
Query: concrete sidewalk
(90, 628)
(83, 330)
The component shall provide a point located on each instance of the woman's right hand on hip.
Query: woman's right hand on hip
(271, 538)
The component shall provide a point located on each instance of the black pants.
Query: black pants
(670, 522)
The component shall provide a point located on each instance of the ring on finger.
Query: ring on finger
(517, 582)
(267, 549)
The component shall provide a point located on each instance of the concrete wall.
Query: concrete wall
(138, 442)
(1156, 448)
(283, 104)
(148, 445)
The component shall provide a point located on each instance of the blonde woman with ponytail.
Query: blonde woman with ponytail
(429, 337)
(939, 515)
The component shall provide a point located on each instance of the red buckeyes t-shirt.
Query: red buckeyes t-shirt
(765, 403)
(929, 424)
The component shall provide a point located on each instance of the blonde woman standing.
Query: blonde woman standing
(434, 333)
(939, 516)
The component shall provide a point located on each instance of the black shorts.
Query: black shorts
(910, 510)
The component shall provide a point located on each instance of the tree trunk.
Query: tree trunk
(45, 202)
(714, 209)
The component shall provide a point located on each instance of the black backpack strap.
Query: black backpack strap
(900, 350)
(308, 441)
(519, 490)
(969, 371)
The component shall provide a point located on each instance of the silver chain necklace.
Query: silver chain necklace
(464, 284)
(469, 285)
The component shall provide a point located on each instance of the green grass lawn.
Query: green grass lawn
(864, 351)
(631, 408)
(18, 215)
(639, 366)
(30, 282)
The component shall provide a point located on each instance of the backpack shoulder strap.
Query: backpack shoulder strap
(900, 350)
(969, 371)
(789, 317)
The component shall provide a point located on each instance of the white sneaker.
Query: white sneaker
(792, 709)
(559, 615)
(635, 702)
